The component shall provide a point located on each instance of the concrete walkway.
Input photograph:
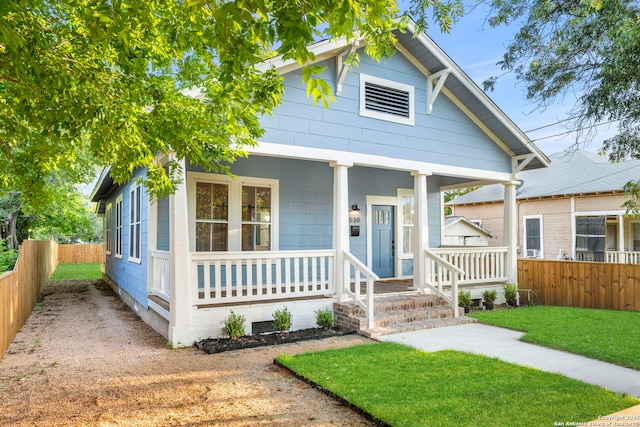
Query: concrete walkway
(505, 344)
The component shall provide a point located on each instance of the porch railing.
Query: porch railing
(617, 257)
(444, 267)
(479, 265)
(260, 276)
(161, 274)
(354, 268)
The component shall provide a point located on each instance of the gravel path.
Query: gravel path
(84, 358)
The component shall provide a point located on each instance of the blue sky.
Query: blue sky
(476, 48)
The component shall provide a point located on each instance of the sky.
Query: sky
(476, 48)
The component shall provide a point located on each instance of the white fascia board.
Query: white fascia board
(321, 50)
(475, 90)
(370, 160)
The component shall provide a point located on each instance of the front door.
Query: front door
(383, 241)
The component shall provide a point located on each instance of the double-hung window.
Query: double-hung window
(533, 247)
(407, 200)
(108, 228)
(118, 225)
(234, 215)
(590, 238)
(135, 222)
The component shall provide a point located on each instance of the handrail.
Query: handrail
(371, 277)
(454, 278)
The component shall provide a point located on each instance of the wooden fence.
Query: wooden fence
(81, 254)
(20, 288)
(582, 284)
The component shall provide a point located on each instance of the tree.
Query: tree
(587, 47)
(107, 82)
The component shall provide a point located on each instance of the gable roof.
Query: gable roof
(570, 173)
(430, 59)
(451, 220)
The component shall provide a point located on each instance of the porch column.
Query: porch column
(511, 231)
(340, 224)
(420, 229)
(621, 233)
(180, 310)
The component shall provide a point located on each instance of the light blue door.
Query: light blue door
(383, 241)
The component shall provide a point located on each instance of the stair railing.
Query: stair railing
(360, 271)
(436, 266)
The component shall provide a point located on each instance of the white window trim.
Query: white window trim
(234, 230)
(119, 217)
(383, 116)
(524, 235)
(403, 192)
(132, 237)
(108, 228)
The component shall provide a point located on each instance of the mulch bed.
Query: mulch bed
(218, 345)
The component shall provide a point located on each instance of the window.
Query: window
(386, 100)
(408, 205)
(135, 205)
(118, 237)
(108, 227)
(234, 215)
(590, 238)
(533, 237)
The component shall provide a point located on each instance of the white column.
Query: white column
(621, 233)
(420, 235)
(340, 223)
(152, 239)
(511, 231)
(181, 289)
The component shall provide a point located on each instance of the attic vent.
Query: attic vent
(386, 100)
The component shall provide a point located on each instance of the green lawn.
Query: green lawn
(76, 272)
(406, 387)
(608, 335)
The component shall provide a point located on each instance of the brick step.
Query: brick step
(406, 316)
(395, 303)
(415, 326)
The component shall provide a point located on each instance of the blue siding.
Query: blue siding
(163, 239)
(130, 276)
(447, 136)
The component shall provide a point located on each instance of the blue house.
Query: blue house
(329, 206)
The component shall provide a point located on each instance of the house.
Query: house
(459, 231)
(572, 209)
(328, 200)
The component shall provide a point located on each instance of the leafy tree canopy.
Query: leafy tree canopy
(85, 83)
(587, 47)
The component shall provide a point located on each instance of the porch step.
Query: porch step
(398, 313)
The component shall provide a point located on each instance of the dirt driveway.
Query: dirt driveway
(84, 358)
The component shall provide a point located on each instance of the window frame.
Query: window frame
(234, 224)
(364, 112)
(108, 241)
(401, 194)
(524, 236)
(135, 223)
(119, 211)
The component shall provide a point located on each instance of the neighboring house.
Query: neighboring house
(328, 196)
(459, 231)
(572, 209)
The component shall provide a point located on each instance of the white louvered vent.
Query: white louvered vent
(387, 100)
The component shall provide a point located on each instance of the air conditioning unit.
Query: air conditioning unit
(533, 253)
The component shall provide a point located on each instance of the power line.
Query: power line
(573, 130)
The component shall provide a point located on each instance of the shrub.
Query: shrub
(464, 299)
(324, 318)
(282, 320)
(8, 257)
(510, 291)
(490, 295)
(234, 325)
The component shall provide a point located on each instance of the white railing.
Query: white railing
(622, 257)
(479, 265)
(360, 272)
(260, 276)
(161, 274)
(444, 267)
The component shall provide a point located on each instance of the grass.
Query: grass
(608, 335)
(406, 387)
(77, 272)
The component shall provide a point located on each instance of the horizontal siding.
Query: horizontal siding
(611, 202)
(447, 136)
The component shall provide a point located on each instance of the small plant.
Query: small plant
(234, 325)
(282, 320)
(324, 318)
(464, 299)
(511, 293)
(490, 295)
(8, 257)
